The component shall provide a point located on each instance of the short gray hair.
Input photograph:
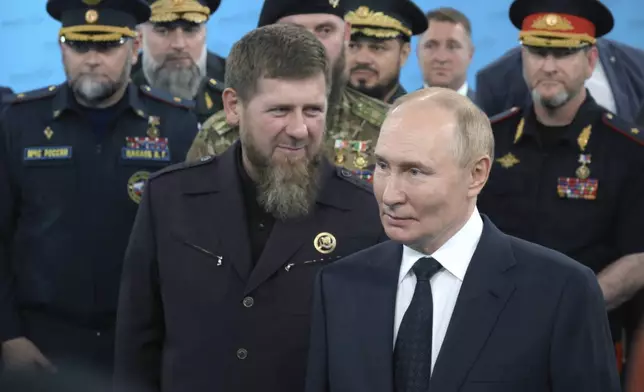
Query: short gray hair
(474, 137)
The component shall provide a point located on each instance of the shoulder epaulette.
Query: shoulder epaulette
(346, 175)
(216, 84)
(217, 123)
(366, 107)
(622, 126)
(182, 166)
(166, 97)
(505, 115)
(30, 95)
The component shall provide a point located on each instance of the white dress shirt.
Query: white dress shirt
(454, 256)
(600, 88)
(462, 90)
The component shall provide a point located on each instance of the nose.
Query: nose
(549, 64)
(297, 128)
(441, 54)
(178, 41)
(93, 58)
(363, 56)
(393, 194)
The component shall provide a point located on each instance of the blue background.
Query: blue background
(31, 57)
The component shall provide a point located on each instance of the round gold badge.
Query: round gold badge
(552, 19)
(91, 16)
(324, 243)
(360, 162)
(136, 184)
(582, 172)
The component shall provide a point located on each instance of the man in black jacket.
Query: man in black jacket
(174, 56)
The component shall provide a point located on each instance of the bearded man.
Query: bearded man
(222, 260)
(353, 118)
(174, 55)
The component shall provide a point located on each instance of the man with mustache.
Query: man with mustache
(73, 161)
(380, 34)
(175, 58)
(353, 119)
(569, 174)
(220, 267)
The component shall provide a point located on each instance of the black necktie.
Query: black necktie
(413, 351)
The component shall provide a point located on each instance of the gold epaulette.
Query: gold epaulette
(30, 95)
(622, 126)
(365, 107)
(164, 96)
(216, 123)
(505, 115)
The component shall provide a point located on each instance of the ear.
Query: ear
(593, 58)
(472, 49)
(136, 46)
(404, 53)
(347, 32)
(479, 173)
(232, 106)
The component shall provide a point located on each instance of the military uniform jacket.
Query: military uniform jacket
(194, 315)
(208, 100)
(68, 198)
(352, 134)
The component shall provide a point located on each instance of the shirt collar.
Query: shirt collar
(65, 100)
(455, 255)
(462, 90)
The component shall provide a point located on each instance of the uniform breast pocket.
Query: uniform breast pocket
(195, 270)
(297, 277)
(49, 175)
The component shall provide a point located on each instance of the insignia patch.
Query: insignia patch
(508, 160)
(91, 16)
(48, 133)
(577, 188)
(146, 149)
(136, 184)
(324, 243)
(47, 153)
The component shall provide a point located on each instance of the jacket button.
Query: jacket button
(248, 302)
(242, 353)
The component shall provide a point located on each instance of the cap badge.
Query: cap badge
(91, 16)
(552, 22)
(334, 3)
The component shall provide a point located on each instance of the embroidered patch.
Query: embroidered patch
(47, 153)
(136, 184)
(576, 188)
(146, 149)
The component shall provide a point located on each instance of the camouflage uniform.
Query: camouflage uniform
(351, 134)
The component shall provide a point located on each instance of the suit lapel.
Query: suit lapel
(287, 237)
(607, 60)
(482, 297)
(217, 204)
(376, 322)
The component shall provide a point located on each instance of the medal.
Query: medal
(339, 158)
(583, 172)
(360, 162)
(153, 123)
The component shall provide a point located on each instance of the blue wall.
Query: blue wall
(31, 57)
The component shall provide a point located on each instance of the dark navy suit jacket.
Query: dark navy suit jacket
(500, 85)
(526, 319)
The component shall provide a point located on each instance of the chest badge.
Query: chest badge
(508, 160)
(324, 243)
(136, 185)
(153, 126)
(48, 133)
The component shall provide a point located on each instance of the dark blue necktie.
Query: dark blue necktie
(413, 351)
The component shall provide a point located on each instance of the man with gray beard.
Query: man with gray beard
(174, 56)
(220, 267)
(74, 158)
(569, 174)
(353, 118)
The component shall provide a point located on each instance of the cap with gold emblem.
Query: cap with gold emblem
(387, 19)
(195, 11)
(98, 20)
(274, 10)
(560, 23)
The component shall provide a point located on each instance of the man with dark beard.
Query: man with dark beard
(380, 34)
(73, 161)
(175, 58)
(220, 267)
(353, 119)
(569, 173)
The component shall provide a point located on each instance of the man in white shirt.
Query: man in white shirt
(446, 49)
(451, 303)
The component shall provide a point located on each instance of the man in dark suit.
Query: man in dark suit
(616, 84)
(446, 49)
(219, 272)
(465, 307)
(380, 34)
(175, 57)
